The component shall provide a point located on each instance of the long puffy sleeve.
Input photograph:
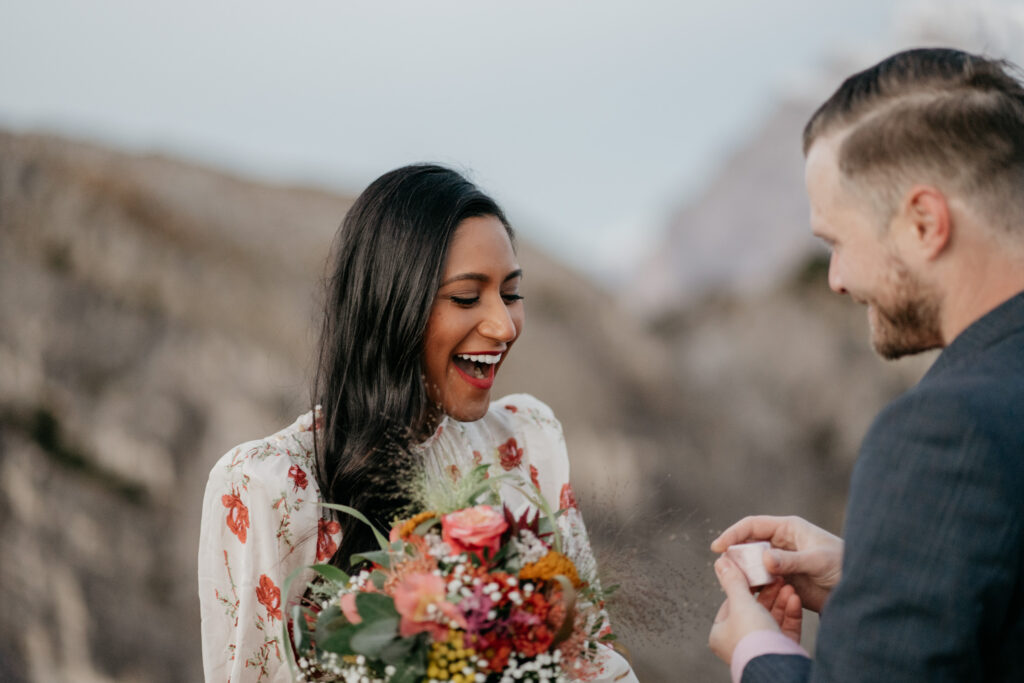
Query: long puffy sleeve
(260, 522)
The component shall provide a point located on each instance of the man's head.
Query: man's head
(911, 161)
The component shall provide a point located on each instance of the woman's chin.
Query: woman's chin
(469, 411)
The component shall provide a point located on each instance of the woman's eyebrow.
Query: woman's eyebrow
(480, 277)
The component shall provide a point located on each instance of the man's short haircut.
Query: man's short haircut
(933, 115)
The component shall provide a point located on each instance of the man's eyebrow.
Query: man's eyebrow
(480, 277)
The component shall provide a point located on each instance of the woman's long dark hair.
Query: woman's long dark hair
(387, 264)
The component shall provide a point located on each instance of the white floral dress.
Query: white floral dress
(261, 521)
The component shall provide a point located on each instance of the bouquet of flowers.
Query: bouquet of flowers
(472, 593)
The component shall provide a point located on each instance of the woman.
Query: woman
(423, 307)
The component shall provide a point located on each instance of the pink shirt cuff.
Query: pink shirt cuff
(761, 643)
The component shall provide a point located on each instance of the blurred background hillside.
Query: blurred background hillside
(158, 298)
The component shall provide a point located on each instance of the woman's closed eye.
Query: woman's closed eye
(471, 300)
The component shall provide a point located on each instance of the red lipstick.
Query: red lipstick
(479, 383)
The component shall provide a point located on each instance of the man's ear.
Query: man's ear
(925, 220)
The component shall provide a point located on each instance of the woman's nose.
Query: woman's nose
(498, 323)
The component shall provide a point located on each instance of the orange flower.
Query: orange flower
(325, 544)
(509, 454)
(406, 528)
(269, 596)
(238, 515)
(548, 567)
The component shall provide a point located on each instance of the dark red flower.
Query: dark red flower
(510, 455)
(326, 546)
(298, 475)
(494, 647)
(238, 515)
(567, 499)
(269, 596)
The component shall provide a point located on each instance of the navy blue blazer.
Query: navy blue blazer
(933, 568)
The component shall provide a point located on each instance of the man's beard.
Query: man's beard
(910, 322)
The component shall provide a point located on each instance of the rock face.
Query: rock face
(153, 314)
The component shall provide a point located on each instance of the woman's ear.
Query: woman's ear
(925, 222)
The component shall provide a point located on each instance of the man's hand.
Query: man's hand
(809, 558)
(776, 608)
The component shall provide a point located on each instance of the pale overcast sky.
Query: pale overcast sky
(588, 119)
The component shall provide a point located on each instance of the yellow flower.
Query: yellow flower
(406, 528)
(449, 658)
(550, 566)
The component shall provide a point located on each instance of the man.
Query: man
(915, 174)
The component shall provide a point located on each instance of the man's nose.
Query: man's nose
(835, 282)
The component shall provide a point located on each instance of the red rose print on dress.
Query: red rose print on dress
(325, 544)
(511, 408)
(298, 475)
(238, 515)
(567, 499)
(477, 458)
(510, 455)
(269, 596)
(535, 476)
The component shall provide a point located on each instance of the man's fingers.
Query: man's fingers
(757, 528)
(785, 562)
(768, 595)
(732, 579)
(792, 620)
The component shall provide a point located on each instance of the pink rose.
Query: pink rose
(420, 600)
(473, 530)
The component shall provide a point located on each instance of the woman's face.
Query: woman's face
(476, 317)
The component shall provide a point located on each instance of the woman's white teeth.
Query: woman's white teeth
(489, 360)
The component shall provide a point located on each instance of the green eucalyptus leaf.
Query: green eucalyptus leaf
(339, 641)
(371, 637)
(330, 619)
(423, 527)
(374, 606)
(397, 651)
(408, 673)
(381, 540)
(381, 557)
(331, 573)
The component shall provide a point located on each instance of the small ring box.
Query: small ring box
(749, 557)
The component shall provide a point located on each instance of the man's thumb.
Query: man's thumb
(783, 562)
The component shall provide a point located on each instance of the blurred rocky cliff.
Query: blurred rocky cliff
(154, 313)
